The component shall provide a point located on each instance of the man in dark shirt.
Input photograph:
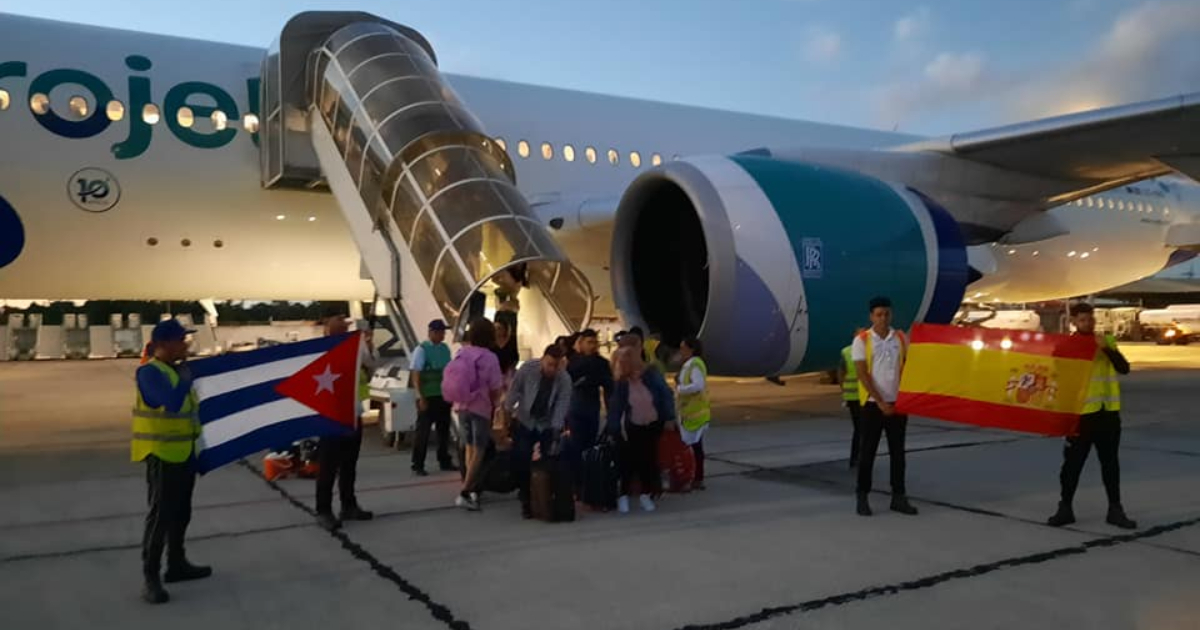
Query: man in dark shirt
(590, 373)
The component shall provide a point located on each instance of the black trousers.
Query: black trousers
(524, 440)
(639, 458)
(872, 425)
(169, 496)
(436, 414)
(338, 458)
(1103, 429)
(855, 408)
(698, 452)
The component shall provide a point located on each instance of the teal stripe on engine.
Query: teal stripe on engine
(869, 244)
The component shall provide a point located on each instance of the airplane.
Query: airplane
(341, 164)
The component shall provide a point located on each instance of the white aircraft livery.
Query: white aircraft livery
(341, 164)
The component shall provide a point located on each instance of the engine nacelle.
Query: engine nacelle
(772, 263)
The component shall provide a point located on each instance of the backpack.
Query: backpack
(460, 379)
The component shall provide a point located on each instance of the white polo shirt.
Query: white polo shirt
(885, 364)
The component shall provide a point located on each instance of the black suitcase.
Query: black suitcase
(552, 490)
(600, 477)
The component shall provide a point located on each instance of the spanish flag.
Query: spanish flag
(1009, 379)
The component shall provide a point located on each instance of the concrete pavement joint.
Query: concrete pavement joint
(936, 579)
(78, 552)
(438, 611)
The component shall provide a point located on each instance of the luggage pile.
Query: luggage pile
(298, 460)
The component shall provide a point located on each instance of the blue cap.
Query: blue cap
(437, 325)
(169, 330)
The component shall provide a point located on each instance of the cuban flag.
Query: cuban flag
(269, 398)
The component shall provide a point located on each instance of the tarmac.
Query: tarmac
(773, 543)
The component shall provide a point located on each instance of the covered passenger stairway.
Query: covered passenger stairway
(356, 103)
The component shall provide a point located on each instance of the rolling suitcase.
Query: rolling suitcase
(677, 463)
(600, 477)
(551, 491)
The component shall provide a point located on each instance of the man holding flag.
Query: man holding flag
(1099, 424)
(878, 356)
(165, 428)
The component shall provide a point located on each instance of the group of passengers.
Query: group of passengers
(553, 406)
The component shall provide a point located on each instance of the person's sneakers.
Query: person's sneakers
(1117, 518)
(1064, 516)
(864, 505)
(420, 472)
(154, 593)
(900, 504)
(467, 502)
(327, 521)
(623, 504)
(647, 503)
(356, 514)
(185, 571)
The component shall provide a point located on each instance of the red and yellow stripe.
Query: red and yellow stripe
(1009, 379)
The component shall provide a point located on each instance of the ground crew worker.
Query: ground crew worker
(337, 455)
(429, 360)
(165, 427)
(848, 377)
(1099, 424)
(695, 410)
(878, 356)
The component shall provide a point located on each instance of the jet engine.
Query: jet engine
(772, 263)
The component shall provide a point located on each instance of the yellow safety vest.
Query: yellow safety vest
(1104, 392)
(694, 409)
(867, 338)
(156, 431)
(850, 383)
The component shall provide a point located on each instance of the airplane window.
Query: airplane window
(250, 123)
(500, 143)
(1120, 205)
(1111, 205)
(590, 152)
(185, 117)
(78, 106)
(675, 158)
(547, 151)
(150, 114)
(1166, 210)
(1089, 202)
(4, 100)
(115, 110)
(523, 149)
(568, 153)
(219, 120)
(656, 159)
(39, 103)
(635, 159)
(614, 158)
(1141, 207)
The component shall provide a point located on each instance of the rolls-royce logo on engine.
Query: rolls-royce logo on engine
(94, 190)
(812, 264)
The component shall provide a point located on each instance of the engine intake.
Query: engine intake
(772, 263)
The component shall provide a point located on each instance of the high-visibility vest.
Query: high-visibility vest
(650, 349)
(694, 409)
(850, 383)
(437, 357)
(156, 431)
(1104, 392)
(867, 338)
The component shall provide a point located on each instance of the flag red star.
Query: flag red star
(329, 385)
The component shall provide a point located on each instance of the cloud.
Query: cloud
(823, 45)
(1150, 51)
(912, 26)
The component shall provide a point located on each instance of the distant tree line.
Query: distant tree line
(99, 311)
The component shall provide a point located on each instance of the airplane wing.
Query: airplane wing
(1100, 149)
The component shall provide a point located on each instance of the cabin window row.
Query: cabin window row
(589, 154)
(1118, 204)
(80, 108)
